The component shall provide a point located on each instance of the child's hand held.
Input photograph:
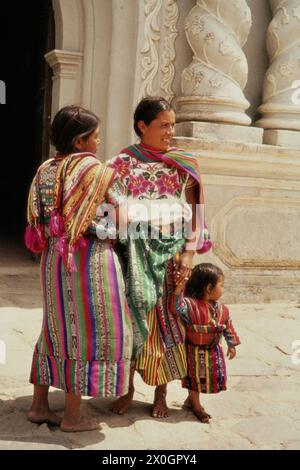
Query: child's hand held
(231, 352)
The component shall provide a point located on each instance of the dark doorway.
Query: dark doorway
(27, 33)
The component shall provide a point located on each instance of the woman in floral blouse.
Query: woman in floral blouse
(163, 191)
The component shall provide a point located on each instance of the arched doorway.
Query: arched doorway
(26, 114)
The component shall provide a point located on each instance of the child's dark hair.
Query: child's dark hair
(69, 124)
(202, 275)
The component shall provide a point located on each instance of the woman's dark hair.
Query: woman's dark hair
(69, 124)
(148, 109)
(202, 275)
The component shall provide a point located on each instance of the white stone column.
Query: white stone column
(212, 85)
(281, 97)
(66, 66)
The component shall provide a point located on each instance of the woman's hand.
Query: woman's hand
(184, 266)
(231, 352)
(179, 287)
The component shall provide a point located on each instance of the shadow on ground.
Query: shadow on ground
(14, 426)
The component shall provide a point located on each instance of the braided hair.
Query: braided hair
(203, 274)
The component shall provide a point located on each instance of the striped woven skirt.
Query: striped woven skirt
(163, 357)
(206, 369)
(85, 345)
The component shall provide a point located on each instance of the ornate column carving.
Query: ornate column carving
(158, 51)
(212, 85)
(281, 97)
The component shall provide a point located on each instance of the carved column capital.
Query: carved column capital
(66, 66)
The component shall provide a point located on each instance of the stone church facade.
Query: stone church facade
(232, 70)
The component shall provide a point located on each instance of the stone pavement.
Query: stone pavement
(260, 410)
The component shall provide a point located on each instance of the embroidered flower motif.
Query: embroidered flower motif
(139, 185)
(167, 184)
(121, 166)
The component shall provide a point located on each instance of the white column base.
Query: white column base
(219, 132)
(282, 138)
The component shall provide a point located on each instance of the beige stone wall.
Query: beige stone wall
(252, 190)
(110, 53)
(252, 195)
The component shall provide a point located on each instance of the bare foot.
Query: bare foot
(201, 414)
(83, 424)
(198, 411)
(160, 409)
(121, 405)
(44, 416)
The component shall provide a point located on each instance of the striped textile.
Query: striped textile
(147, 259)
(78, 183)
(206, 368)
(163, 357)
(186, 162)
(85, 346)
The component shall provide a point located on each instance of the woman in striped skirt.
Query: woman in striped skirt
(161, 181)
(85, 345)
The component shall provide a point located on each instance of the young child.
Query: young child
(207, 321)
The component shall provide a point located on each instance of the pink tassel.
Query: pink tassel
(35, 239)
(71, 263)
(56, 225)
(207, 243)
(205, 247)
(80, 244)
(67, 253)
(62, 247)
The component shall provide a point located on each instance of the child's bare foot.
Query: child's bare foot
(44, 416)
(83, 424)
(201, 414)
(193, 403)
(160, 409)
(121, 405)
